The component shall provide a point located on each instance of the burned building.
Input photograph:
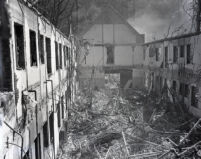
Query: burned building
(37, 82)
(115, 47)
(172, 66)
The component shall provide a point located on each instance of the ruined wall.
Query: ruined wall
(184, 70)
(30, 103)
(119, 35)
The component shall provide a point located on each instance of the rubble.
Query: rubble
(115, 127)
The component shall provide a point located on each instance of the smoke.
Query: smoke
(161, 18)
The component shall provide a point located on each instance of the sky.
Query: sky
(154, 18)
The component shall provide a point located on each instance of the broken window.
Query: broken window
(188, 54)
(19, 46)
(60, 56)
(157, 54)
(58, 115)
(181, 89)
(45, 135)
(69, 93)
(174, 86)
(33, 52)
(64, 51)
(110, 54)
(161, 82)
(68, 56)
(194, 100)
(6, 70)
(166, 57)
(57, 55)
(51, 120)
(62, 106)
(41, 47)
(37, 147)
(184, 90)
(48, 56)
(66, 99)
(182, 51)
(175, 54)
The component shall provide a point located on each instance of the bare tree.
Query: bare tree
(57, 11)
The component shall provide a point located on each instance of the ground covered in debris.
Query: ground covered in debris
(109, 124)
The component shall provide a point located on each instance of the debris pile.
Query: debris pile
(119, 127)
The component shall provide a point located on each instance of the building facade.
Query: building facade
(174, 64)
(37, 83)
(115, 46)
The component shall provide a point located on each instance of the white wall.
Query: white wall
(123, 35)
(119, 35)
(123, 55)
(95, 57)
(35, 79)
(192, 68)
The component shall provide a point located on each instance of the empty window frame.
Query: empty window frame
(62, 106)
(51, 121)
(64, 52)
(181, 89)
(161, 83)
(60, 56)
(58, 115)
(175, 54)
(48, 55)
(33, 49)
(157, 54)
(182, 51)
(68, 56)
(37, 147)
(174, 86)
(57, 55)
(188, 54)
(166, 57)
(184, 90)
(110, 54)
(41, 49)
(45, 135)
(66, 99)
(194, 100)
(19, 46)
(69, 93)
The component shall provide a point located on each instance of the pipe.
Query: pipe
(9, 143)
(22, 144)
(53, 111)
(35, 93)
